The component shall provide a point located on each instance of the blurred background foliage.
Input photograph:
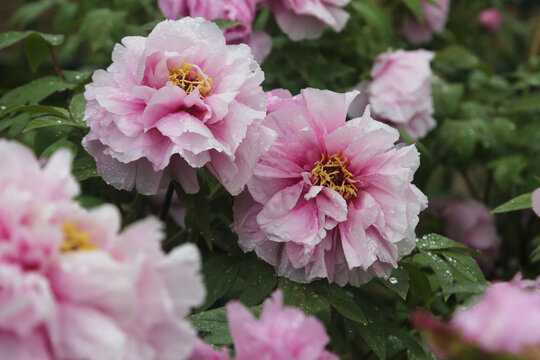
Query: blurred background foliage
(486, 146)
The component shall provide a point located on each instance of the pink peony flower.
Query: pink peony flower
(506, 320)
(490, 19)
(280, 333)
(536, 201)
(470, 223)
(242, 11)
(174, 102)
(400, 91)
(66, 271)
(307, 19)
(331, 199)
(434, 21)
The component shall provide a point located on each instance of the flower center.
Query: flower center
(188, 77)
(75, 240)
(331, 171)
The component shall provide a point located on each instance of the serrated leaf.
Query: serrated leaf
(84, 168)
(11, 37)
(336, 296)
(520, 202)
(260, 282)
(219, 274)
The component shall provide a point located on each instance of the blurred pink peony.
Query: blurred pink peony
(506, 320)
(66, 271)
(400, 91)
(174, 102)
(331, 199)
(280, 333)
(435, 17)
(536, 201)
(307, 19)
(470, 223)
(242, 11)
(490, 19)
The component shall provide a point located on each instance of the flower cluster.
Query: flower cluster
(280, 333)
(66, 272)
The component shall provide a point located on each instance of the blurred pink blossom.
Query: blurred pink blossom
(242, 11)
(490, 19)
(280, 333)
(434, 20)
(307, 19)
(536, 201)
(470, 223)
(400, 91)
(66, 271)
(331, 199)
(506, 320)
(174, 102)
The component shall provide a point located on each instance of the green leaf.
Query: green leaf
(460, 137)
(84, 168)
(77, 107)
(336, 296)
(37, 110)
(49, 120)
(219, 274)
(439, 242)
(419, 283)
(61, 143)
(376, 16)
(416, 7)
(12, 37)
(465, 265)
(226, 24)
(36, 50)
(34, 91)
(520, 202)
(306, 298)
(202, 216)
(414, 348)
(30, 12)
(373, 331)
(398, 281)
(529, 103)
(260, 282)
(447, 97)
(441, 268)
(213, 325)
(507, 170)
(455, 58)
(89, 201)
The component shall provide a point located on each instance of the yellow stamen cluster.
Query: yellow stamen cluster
(75, 240)
(331, 171)
(188, 77)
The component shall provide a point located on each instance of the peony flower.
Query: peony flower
(435, 17)
(66, 271)
(536, 201)
(280, 333)
(506, 320)
(470, 223)
(242, 11)
(331, 199)
(490, 19)
(174, 102)
(307, 19)
(400, 91)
